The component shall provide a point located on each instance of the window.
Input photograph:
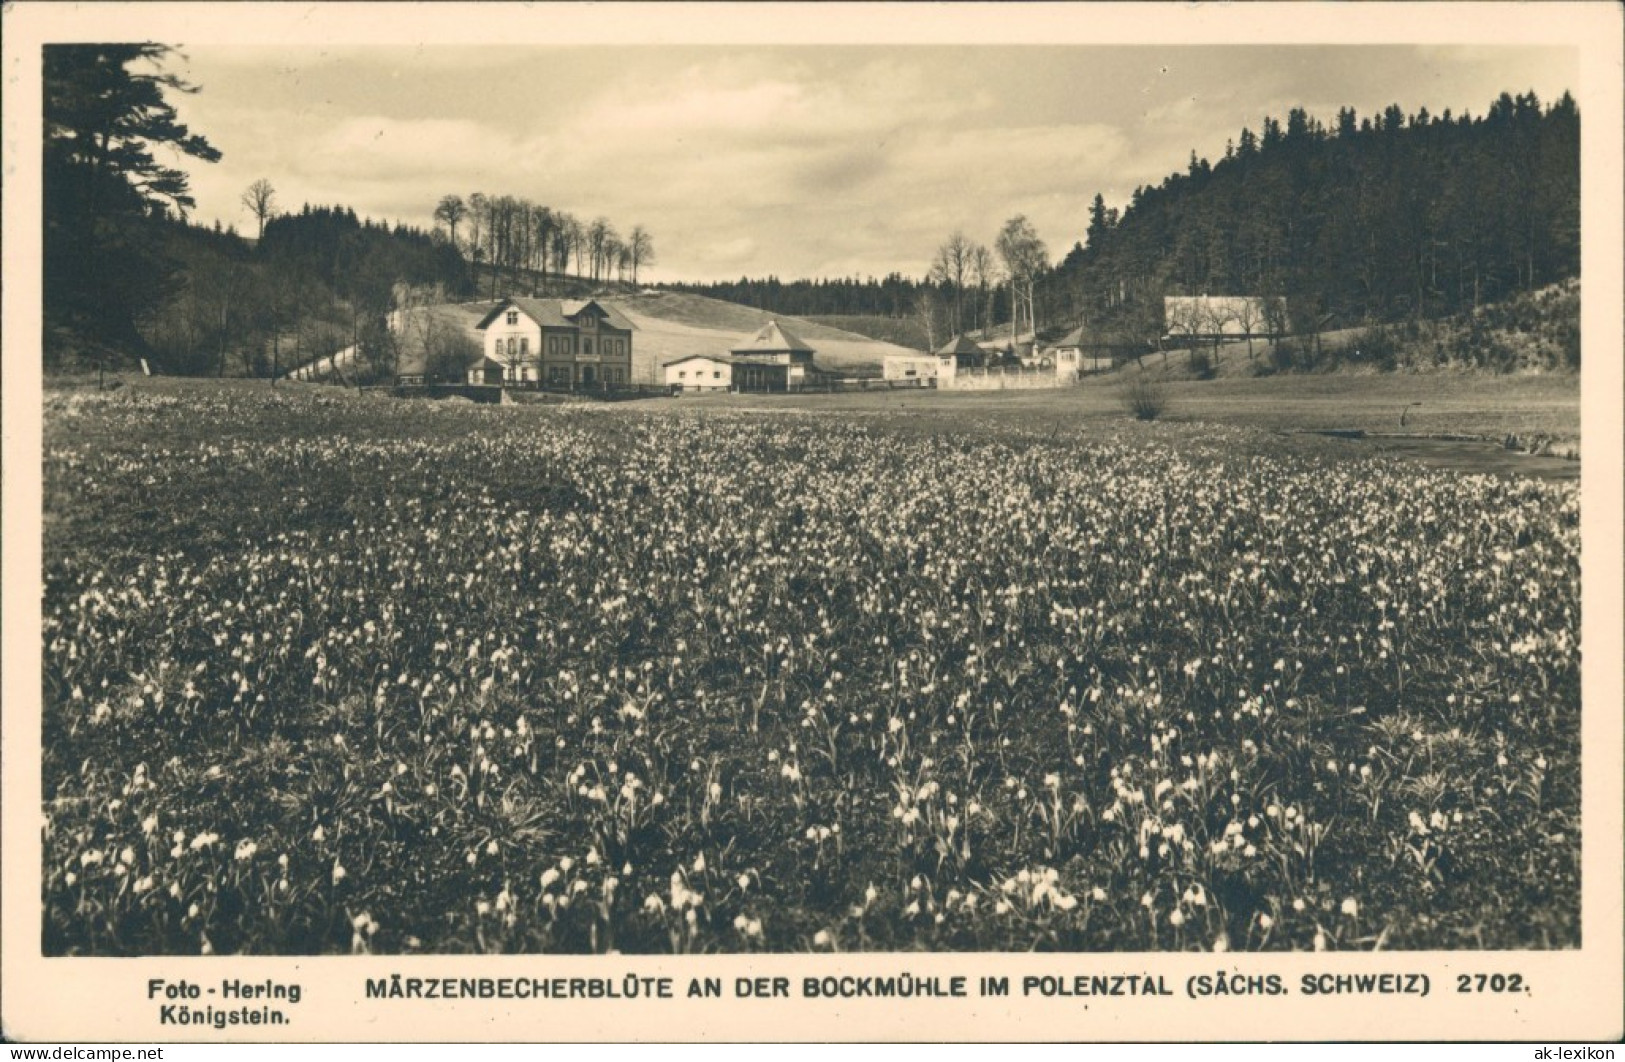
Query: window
(717, 375)
(510, 346)
(586, 346)
(513, 317)
(682, 374)
(524, 347)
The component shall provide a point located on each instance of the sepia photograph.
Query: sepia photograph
(682, 498)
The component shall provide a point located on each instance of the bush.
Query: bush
(1201, 364)
(1377, 346)
(1144, 399)
(1284, 355)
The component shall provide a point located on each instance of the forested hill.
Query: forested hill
(361, 259)
(1374, 219)
(126, 275)
(315, 282)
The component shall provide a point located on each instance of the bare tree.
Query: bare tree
(260, 199)
(1217, 316)
(599, 234)
(563, 225)
(1024, 256)
(542, 224)
(928, 305)
(1250, 315)
(642, 247)
(1183, 319)
(451, 210)
(981, 273)
(950, 268)
(575, 242)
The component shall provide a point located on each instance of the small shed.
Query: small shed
(487, 372)
(1079, 353)
(966, 354)
(910, 366)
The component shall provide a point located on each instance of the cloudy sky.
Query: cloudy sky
(824, 160)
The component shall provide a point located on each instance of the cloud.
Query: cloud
(793, 161)
(369, 147)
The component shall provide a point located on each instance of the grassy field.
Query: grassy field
(1530, 407)
(904, 331)
(328, 672)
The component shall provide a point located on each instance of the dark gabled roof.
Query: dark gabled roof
(960, 345)
(773, 338)
(1073, 338)
(616, 319)
(556, 313)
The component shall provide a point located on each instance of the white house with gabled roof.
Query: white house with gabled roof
(699, 372)
(558, 342)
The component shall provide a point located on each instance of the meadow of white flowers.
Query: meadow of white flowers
(332, 675)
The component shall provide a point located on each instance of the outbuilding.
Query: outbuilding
(699, 372)
(1079, 354)
(911, 366)
(774, 359)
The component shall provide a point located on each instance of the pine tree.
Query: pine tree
(104, 189)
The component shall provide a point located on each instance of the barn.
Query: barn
(699, 372)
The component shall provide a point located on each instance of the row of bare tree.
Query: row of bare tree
(964, 274)
(511, 233)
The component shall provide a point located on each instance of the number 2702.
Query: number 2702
(1489, 983)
